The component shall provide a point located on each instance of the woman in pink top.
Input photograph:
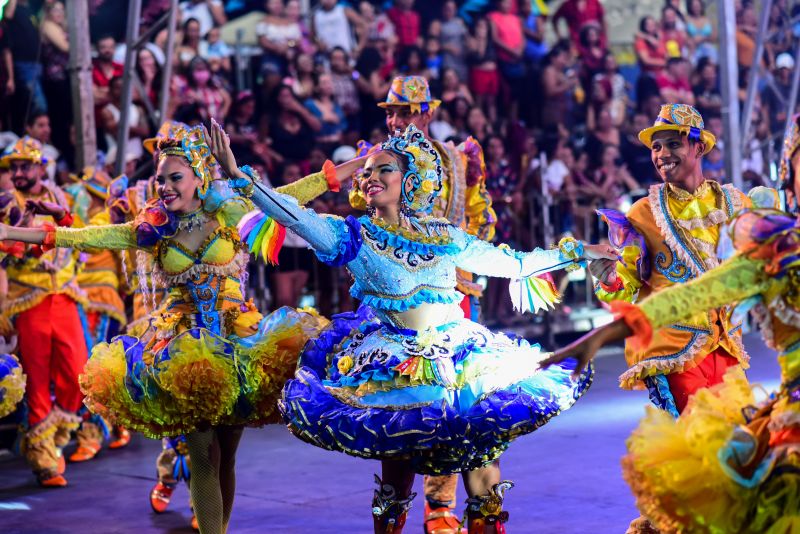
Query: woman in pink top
(509, 40)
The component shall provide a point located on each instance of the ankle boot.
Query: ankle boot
(388, 511)
(485, 513)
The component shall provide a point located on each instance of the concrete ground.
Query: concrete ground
(567, 478)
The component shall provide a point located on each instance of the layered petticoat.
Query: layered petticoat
(713, 470)
(448, 399)
(12, 384)
(165, 386)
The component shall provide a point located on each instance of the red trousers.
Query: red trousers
(52, 350)
(708, 373)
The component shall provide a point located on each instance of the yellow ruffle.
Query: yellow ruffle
(12, 387)
(673, 469)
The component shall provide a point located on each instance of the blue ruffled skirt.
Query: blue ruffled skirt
(448, 399)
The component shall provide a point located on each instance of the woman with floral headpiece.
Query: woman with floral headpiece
(208, 363)
(727, 464)
(407, 379)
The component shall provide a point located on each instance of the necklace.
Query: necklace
(193, 220)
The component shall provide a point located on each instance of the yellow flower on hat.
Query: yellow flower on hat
(411, 91)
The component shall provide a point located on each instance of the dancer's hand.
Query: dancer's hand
(600, 252)
(43, 207)
(346, 170)
(220, 145)
(3, 232)
(584, 349)
(604, 270)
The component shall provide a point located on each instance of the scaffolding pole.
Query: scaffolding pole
(166, 75)
(80, 78)
(754, 76)
(729, 69)
(131, 35)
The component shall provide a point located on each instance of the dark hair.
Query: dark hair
(186, 25)
(34, 116)
(675, 61)
(140, 72)
(559, 48)
(405, 56)
(583, 36)
(689, 7)
(197, 60)
(105, 36)
(274, 96)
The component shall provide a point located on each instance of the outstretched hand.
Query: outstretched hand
(220, 145)
(585, 349)
(600, 252)
(43, 207)
(346, 170)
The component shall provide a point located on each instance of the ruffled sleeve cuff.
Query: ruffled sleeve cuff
(66, 220)
(49, 241)
(637, 321)
(329, 169)
(348, 241)
(613, 287)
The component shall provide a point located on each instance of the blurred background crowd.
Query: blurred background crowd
(553, 95)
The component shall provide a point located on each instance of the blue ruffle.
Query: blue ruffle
(437, 437)
(397, 241)
(422, 296)
(348, 238)
(315, 353)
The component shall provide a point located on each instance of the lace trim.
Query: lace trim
(694, 350)
(438, 243)
(419, 295)
(713, 218)
(783, 420)
(658, 207)
(35, 297)
(232, 268)
(784, 312)
(763, 318)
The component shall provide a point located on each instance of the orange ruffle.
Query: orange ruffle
(785, 437)
(637, 321)
(330, 175)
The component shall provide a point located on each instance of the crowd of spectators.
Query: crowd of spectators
(538, 85)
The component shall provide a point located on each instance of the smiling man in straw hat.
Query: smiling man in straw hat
(464, 202)
(669, 238)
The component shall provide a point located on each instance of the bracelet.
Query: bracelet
(49, 241)
(571, 249)
(244, 187)
(66, 220)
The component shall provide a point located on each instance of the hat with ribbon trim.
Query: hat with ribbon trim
(411, 91)
(682, 118)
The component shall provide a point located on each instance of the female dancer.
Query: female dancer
(407, 379)
(724, 465)
(209, 363)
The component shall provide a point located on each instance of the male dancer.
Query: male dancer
(668, 238)
(43, 299)
(464, 202)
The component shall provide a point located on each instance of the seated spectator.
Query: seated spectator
(441, 126)
(332, 26)
(708, 99)
(278, 36)
(411, 62)
(602, 133)
(452, 87)
(714, 166)
(208, 13)
(674, 37)
(615, 87)
(775, 95)
(779, 32)
(458, 109)
(452, 33)
(477, 125)
(218, 54)
(433, 60)
(104, 68)
(558, 86)
(150, 73)
(301, 76)
(200, 88)
(673, 84)
(109, 118)
(406, 23)
(576, 13)
(242, 127)
(635, 155)
(291, 128)
(610, 181)
(38, 127)
(345, 91)
(701, 31)
(591, 53)
(651, 54)
(484, 78)
(373, 82)
(327, 111)
(190, 44)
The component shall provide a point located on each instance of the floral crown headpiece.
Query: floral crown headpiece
(791, 142)
(422, 180)
(195, 149)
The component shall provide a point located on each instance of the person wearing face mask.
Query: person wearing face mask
(208, 363)
(202, 89)
(729, 463)
(667, 239)
(407, 379)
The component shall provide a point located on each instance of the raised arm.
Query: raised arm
(112, 236)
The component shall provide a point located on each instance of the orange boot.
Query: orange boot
(40, 451)
(160, 496)
(441, 520)
(485, 513)
(388, 511)
(121, 438)
(90, 440)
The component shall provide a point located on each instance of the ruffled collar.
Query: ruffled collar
(430, 235)
(681, 194)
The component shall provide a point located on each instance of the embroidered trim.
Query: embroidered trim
(667, 364)
(713, 218)
(663, 219)
(676, 271)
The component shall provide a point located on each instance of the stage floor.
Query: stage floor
(567, 478)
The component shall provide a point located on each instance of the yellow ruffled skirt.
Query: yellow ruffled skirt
(173, 385)
(681, 473)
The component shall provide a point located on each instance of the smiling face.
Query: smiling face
(382, 181)
(177, 185)
(676, 159)
(27, 176)
(399, 117)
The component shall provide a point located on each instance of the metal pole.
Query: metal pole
(766, 6)
(791, 103)
(729, 67)
(134, 10)
(166, 75)
(80, 77)
(239, 57)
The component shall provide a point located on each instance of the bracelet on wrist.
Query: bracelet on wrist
(245, 187)
(571, 249)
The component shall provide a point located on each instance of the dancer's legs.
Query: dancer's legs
(204, 449)
(479, 481)
(229, 437)
(485, 504)
(393, 497)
